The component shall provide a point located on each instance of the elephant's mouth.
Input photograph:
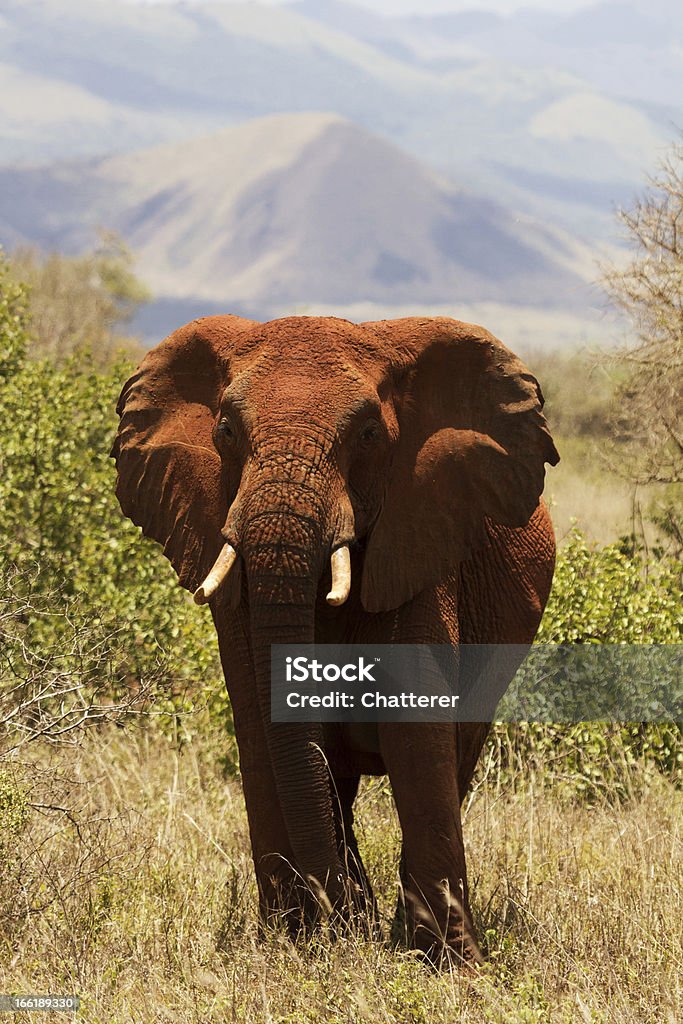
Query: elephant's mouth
(340, 565)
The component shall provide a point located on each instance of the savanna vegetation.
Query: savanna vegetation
(125, 872)
(619, 415)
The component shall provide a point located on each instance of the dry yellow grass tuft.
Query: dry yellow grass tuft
(584, 491)
(134, 890)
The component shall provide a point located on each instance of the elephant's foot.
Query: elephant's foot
(286, 902)
(300, 908)
(350, 911)
(440, 930)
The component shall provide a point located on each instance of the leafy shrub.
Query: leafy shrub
(13, 814)
(605, 595)
(600, 596)
(64, 537)
(79, 301)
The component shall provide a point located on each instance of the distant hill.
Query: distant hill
(293, 210)
(266, 159)
(557, 115)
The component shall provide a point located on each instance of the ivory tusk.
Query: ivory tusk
(217, 575)
(341, 576)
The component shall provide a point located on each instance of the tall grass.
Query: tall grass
(127, 880)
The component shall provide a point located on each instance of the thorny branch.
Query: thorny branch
(649, 290)
(53, 690)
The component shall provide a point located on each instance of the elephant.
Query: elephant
(314, 480)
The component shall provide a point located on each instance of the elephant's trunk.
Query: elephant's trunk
(283, 554)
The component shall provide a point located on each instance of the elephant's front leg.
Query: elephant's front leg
(421, 761)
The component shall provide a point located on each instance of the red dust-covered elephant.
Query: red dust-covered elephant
(315, 480)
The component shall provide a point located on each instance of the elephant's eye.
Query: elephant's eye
(225, 431)
(369, 434)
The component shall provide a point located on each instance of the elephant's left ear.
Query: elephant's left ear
(472, 445)
(171, 481)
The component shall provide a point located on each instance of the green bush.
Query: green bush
(14, 814)
(64, 537)
(604, 595)
(81, 300)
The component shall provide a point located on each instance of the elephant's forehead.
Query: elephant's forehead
(316, 346)
(268, 384)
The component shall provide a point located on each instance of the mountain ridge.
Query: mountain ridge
(295, 209)
(102, 77)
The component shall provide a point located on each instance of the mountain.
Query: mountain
(290, 211)
(561, 113)
(556, 115)
(269, 158)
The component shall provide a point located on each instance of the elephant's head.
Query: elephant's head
(257, 454)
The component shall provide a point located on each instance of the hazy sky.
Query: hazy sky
(431, 6)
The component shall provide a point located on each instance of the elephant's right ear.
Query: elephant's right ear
(472, 446)
(171, 480)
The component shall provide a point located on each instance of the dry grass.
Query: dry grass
(134, 890)
(584, 490)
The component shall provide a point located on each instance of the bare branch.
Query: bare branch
(649, 289)
(52, 691)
